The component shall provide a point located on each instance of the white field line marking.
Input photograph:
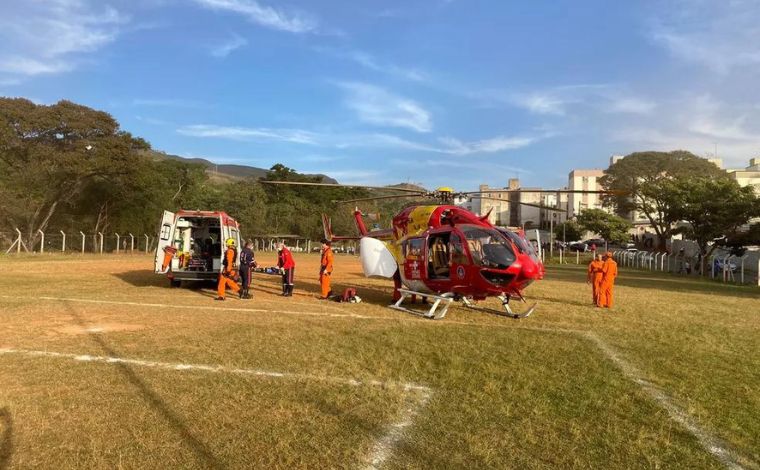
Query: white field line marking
(382, 448)
(193, 307)
(405, 386)
(709, 442)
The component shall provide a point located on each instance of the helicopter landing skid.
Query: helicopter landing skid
(434, 312)
(505, 303)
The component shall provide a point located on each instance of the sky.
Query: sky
(435, 92)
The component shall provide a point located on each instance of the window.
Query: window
(488, 247)
(166, 230)
(413, 247)
(458, 255)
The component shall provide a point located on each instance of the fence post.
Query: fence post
(712, 267)
(742, 272)
(82, 241)
(101, 242)
(117, 242)
(63, 245)
(758, 272)
(132, 244)
(560, 256)
(577, 257)
(42, 241)
(18, 242)
(146, 242)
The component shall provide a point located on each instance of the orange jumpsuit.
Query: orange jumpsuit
(595, 278)
(228, 273)
(325, 271)
(609, 273)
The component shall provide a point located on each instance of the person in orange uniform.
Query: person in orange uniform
(227, 276)
(595, 277)
(326, 268)
(609, 273)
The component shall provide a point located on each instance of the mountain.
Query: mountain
(225, 173)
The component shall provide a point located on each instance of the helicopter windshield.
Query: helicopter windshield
(521, 243)
(488, 247)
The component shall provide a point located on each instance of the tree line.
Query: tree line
(69, 167)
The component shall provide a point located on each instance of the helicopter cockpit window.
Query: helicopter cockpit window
(488, 247)
(458, 255)
(522, 244)
(413, 247)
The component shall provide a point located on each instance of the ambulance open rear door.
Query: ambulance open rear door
(165, 235)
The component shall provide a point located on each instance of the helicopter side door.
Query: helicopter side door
(460, 260)
(438, 260)
(414, 269)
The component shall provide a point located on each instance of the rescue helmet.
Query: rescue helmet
(230, 242)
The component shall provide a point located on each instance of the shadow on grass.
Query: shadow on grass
(6, 439)
(203, 454)
(143, 278)
(655, 281)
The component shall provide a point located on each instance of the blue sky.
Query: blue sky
(437, 92)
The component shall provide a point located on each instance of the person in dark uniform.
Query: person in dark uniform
(247, 263)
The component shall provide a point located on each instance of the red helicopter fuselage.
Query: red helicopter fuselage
(448, 249)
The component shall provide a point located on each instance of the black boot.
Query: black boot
(243, 293)
(290, 291)
(284, 290)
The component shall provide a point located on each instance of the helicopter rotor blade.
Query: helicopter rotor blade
(542, 191)
(540, 206)
(393, 196)
(338, 185)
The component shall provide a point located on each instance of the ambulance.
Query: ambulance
(191, 245)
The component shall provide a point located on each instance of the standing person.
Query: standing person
(595, 277)
(609, 273)
(227, 276)
(287, 267)
(247, 263)
(326, 268)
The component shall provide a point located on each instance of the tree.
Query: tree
(639, 182)
(611, 227)
(713, 208)
(49, 154)
(570, 229)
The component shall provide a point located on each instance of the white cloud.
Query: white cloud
(377, 106)
(166, 103)
(719, 35)
(492, 145)
(568, 99)
(371, 62)
(698, 124)
(247, 133)
(447, 146)
(255, 12)
(631, 105)
(49, 37)
(223, 50)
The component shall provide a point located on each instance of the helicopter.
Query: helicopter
(442, 252)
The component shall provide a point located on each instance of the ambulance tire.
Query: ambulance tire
(175, 283)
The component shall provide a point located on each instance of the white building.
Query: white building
(749, 176)
(584, 180)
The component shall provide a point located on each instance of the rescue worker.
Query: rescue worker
(287, 268)
(595, 277)
(326, 268)
(609, 273)
(227, 276)
(247, 263)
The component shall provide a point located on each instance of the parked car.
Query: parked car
(578, 246)
(720, 263)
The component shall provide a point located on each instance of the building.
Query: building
(749, 176)
(584, 180)
(507, 210)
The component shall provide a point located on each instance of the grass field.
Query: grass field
(102, 365)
